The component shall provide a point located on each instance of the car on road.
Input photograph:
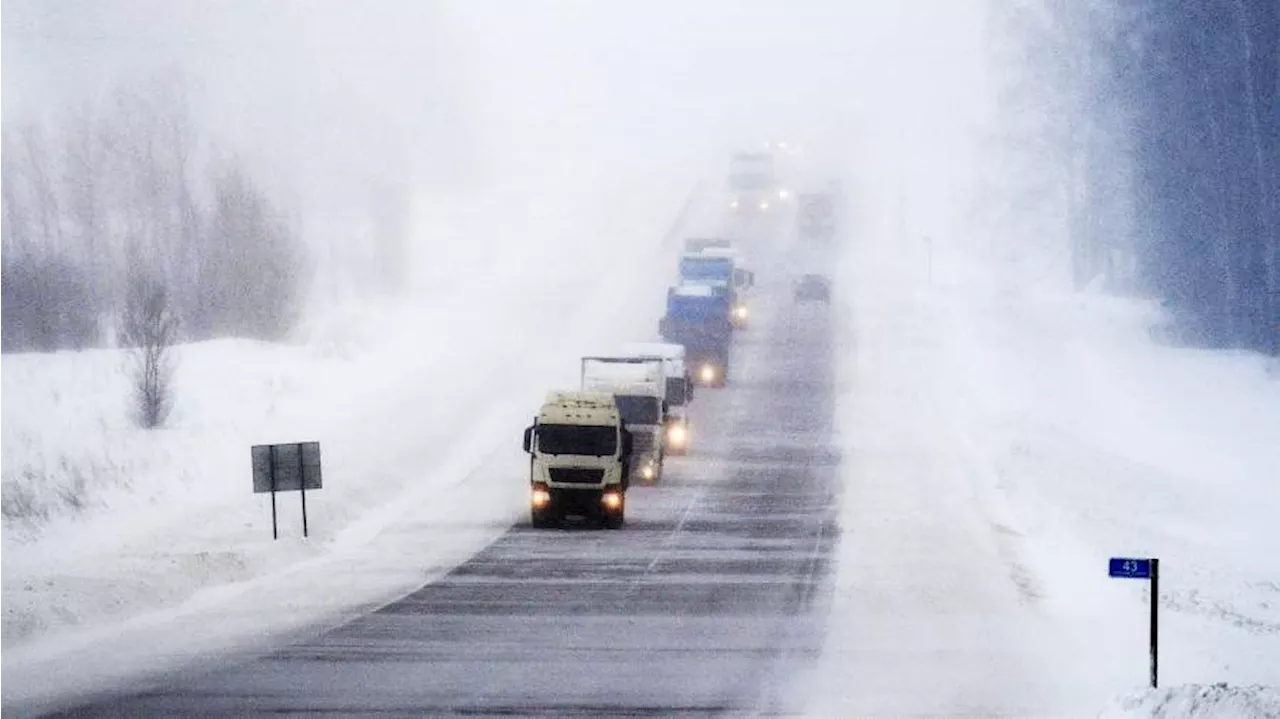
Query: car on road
(813, 288)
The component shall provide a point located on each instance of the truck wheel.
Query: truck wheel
(542, 519)
(615, 520)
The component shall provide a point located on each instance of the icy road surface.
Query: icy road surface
(708, 601)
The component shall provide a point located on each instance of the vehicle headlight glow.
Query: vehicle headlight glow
(707, 373)
(677, 434)
(764, 204)
(784, 194)
(647, 471)
(740, 312)
(540, 498)
(733, 204)
(611, 500)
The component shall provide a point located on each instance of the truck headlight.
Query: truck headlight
(740, 312)
(611, 500)
(707, 373)
(764, 204)
(647, 471)
(677, 435)
(540, 498)
(784, 194)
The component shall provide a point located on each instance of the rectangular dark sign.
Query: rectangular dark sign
(1129, 568)
(286, 467)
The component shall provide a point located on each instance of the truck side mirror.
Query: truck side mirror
(751, 279)
(662, 327)
(627, 444)
(528, 439)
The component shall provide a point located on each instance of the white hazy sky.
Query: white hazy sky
(327, 95)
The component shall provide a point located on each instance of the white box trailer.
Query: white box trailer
(638, 385)
(679, 390)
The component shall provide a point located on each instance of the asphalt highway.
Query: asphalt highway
(708, 601)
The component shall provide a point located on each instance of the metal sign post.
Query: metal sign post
(271, 469)
(286, 468)
(1149, 569)
(303, 491)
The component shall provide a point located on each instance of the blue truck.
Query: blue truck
(698, 318)
(717, 264)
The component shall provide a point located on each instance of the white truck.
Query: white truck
(638, 386)
(753, 183)
(579, 459)
(679, 390)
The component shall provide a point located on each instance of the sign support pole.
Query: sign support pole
(275, 527)
(1155, 601)
(303, 478)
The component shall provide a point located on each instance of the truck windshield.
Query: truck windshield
(698, 308)
(639, 408)
(676, 391)
(596, 441)
(750, 181)
(706, 268)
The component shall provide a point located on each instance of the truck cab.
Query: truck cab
(753, 184)
(719, 265)
(697, 318)
(579, 459)
(638, 386)
(816, 216)
(679, 391)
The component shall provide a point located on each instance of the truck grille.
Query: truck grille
(573, 475)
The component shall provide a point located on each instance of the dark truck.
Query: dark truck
(698, 317)
(816, 216)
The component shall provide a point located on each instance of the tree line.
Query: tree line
(1154, 127)
(127, 194)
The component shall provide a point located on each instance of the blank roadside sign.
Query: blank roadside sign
(286, 467)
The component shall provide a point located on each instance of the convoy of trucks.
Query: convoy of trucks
(631, 409)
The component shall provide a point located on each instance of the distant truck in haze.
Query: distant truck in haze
(697, 317)
(753, 183)
(638, 385)
(579, 459)
(679, 390)
(816, 216)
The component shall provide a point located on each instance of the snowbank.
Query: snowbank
(1196, 701)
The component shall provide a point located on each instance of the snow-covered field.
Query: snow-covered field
(1001, 444)
(126, 551)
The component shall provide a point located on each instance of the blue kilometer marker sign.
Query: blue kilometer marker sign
(1148, 569)
(1128, 568)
